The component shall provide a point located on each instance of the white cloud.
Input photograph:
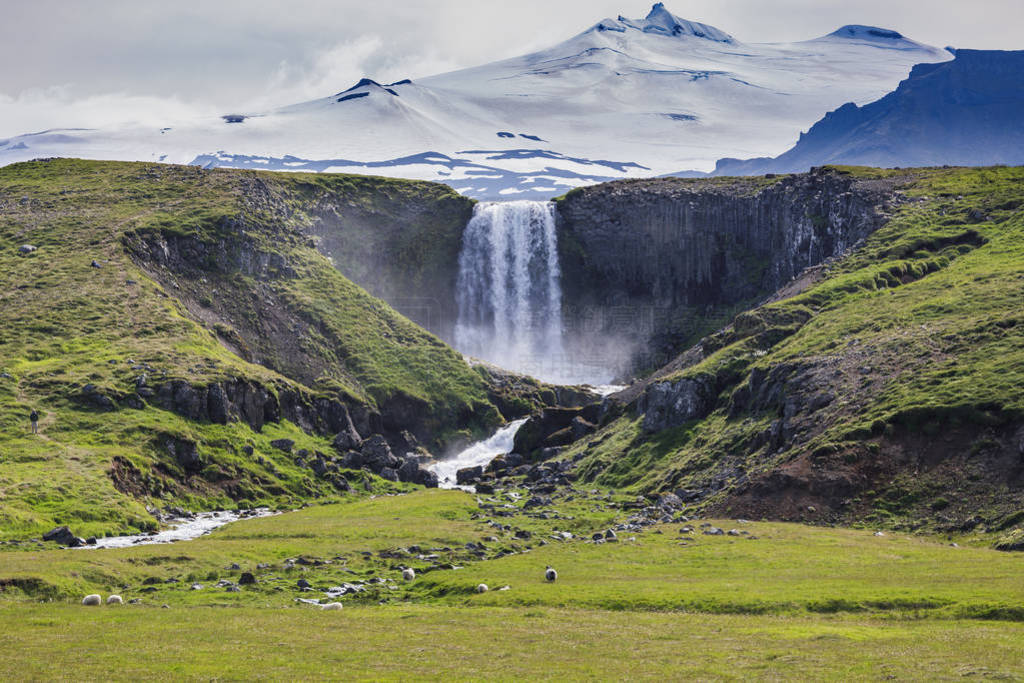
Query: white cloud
(341, 66)
(40, 109)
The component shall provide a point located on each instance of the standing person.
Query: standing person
(34, 418)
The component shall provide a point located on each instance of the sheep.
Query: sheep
(408, 574)
(550, 574)
(331, 607)
(115, 600)
(92, 600)
(482, 588)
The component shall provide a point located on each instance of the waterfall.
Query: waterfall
(508, 293)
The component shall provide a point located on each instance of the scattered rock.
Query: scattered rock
(27, 249)
(669, 501)
(285, 445)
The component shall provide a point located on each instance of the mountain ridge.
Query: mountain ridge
(961, 112)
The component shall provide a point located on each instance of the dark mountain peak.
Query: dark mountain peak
(660, 21)
(859, 32)
(963, 112)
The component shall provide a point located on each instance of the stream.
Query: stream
(184, 529)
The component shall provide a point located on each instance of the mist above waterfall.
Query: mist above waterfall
(509, 292)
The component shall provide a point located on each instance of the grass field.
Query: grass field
(425, 642)
(795, 602)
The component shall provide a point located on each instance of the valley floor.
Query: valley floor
(505, 643)
(662, 601)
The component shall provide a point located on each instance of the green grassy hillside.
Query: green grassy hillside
(149, 285)
(884, 388)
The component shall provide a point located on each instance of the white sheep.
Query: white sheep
(92, 600)
(550, 574)
(115, 600)
(408, 574)
(331, 607)
(482, 588)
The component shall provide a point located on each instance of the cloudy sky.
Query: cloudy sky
(76, 63)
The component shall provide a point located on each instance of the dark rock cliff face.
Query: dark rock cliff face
(965, 112)
(649, 265)
(400, 246)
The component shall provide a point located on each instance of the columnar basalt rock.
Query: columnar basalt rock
(655, 260)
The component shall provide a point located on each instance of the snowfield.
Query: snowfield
(625, 98)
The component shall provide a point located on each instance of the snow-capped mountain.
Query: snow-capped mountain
(624, 98)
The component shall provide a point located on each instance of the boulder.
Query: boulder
(352, 460)
(246, 579)
(377, 454)
(348, 439)
(536, 431)
(467, 475)
(427, 478)
(27, 249)
(91, 395)
(669, 501)
(61, 535)
(409, 471)
(285, 445)
(319, 467)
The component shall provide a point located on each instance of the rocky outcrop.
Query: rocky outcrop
(672, 403)
(659, 262)
(553, 428)
(375, 455)
(240, 400)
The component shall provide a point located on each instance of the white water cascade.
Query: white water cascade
(508, 292)
(480, 453)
